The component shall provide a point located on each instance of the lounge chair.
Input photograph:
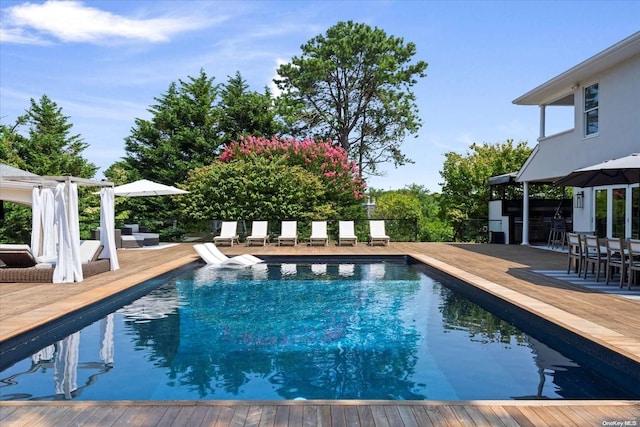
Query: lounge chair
(377, 233)
(90, 251)
(214, 250)
(319, 233)
(228, 233)
(219, 259)
(20, 256)
(346, 233)
(289, 233)
(259, 235)
(23, 267)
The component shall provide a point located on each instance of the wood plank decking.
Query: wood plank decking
(505, 270)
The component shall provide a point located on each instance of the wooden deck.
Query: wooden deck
(502, 270)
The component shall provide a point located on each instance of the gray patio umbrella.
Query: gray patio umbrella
(144, 187)
(623, 171)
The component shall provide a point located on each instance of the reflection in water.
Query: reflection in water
(63, 360)
(233, 334)
(106, 340)
(299, 337)
(66, 365)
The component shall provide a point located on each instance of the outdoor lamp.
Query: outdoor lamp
(579, 199)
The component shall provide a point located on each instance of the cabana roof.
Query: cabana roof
(16, 184)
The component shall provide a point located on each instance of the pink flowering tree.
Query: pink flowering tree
(277, 178)
(330, 162)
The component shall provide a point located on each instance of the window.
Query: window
(591, 110)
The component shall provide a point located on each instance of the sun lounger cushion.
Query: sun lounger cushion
(20, 256)
(90, 250)
(18, 259)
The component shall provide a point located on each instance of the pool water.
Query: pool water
(300, 331)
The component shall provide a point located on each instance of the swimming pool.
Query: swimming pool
(300, 331)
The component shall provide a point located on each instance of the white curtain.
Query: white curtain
(107, 226)
(43, 238)
(48, 228)
(68, 268)
(74, 228)
(36, 222)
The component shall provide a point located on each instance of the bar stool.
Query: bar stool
(558, 233)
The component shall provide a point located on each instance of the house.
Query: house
(604, 93)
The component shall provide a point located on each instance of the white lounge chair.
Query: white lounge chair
(289, 233)
(377, 233)
(215, 251)
(228, 233)
(346, 233)
(259, 235)
(319, 233)
(220, 259)
(90, 250)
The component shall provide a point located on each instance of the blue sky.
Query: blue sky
(103, 62)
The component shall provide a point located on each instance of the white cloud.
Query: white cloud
(73, 21)
(275, 91)
(19, 36)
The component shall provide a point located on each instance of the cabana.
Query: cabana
(54, 206)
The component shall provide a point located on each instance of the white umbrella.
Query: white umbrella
(144, 187)
(623, 171)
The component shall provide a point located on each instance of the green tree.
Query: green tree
(432, 227)
(402, 212)
(253, 188)
(353, 85)
(182, 133)
(46, 147)
(49, 148)
(465, 188)
(244, 112)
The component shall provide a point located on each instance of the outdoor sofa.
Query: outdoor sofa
(136, 236)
